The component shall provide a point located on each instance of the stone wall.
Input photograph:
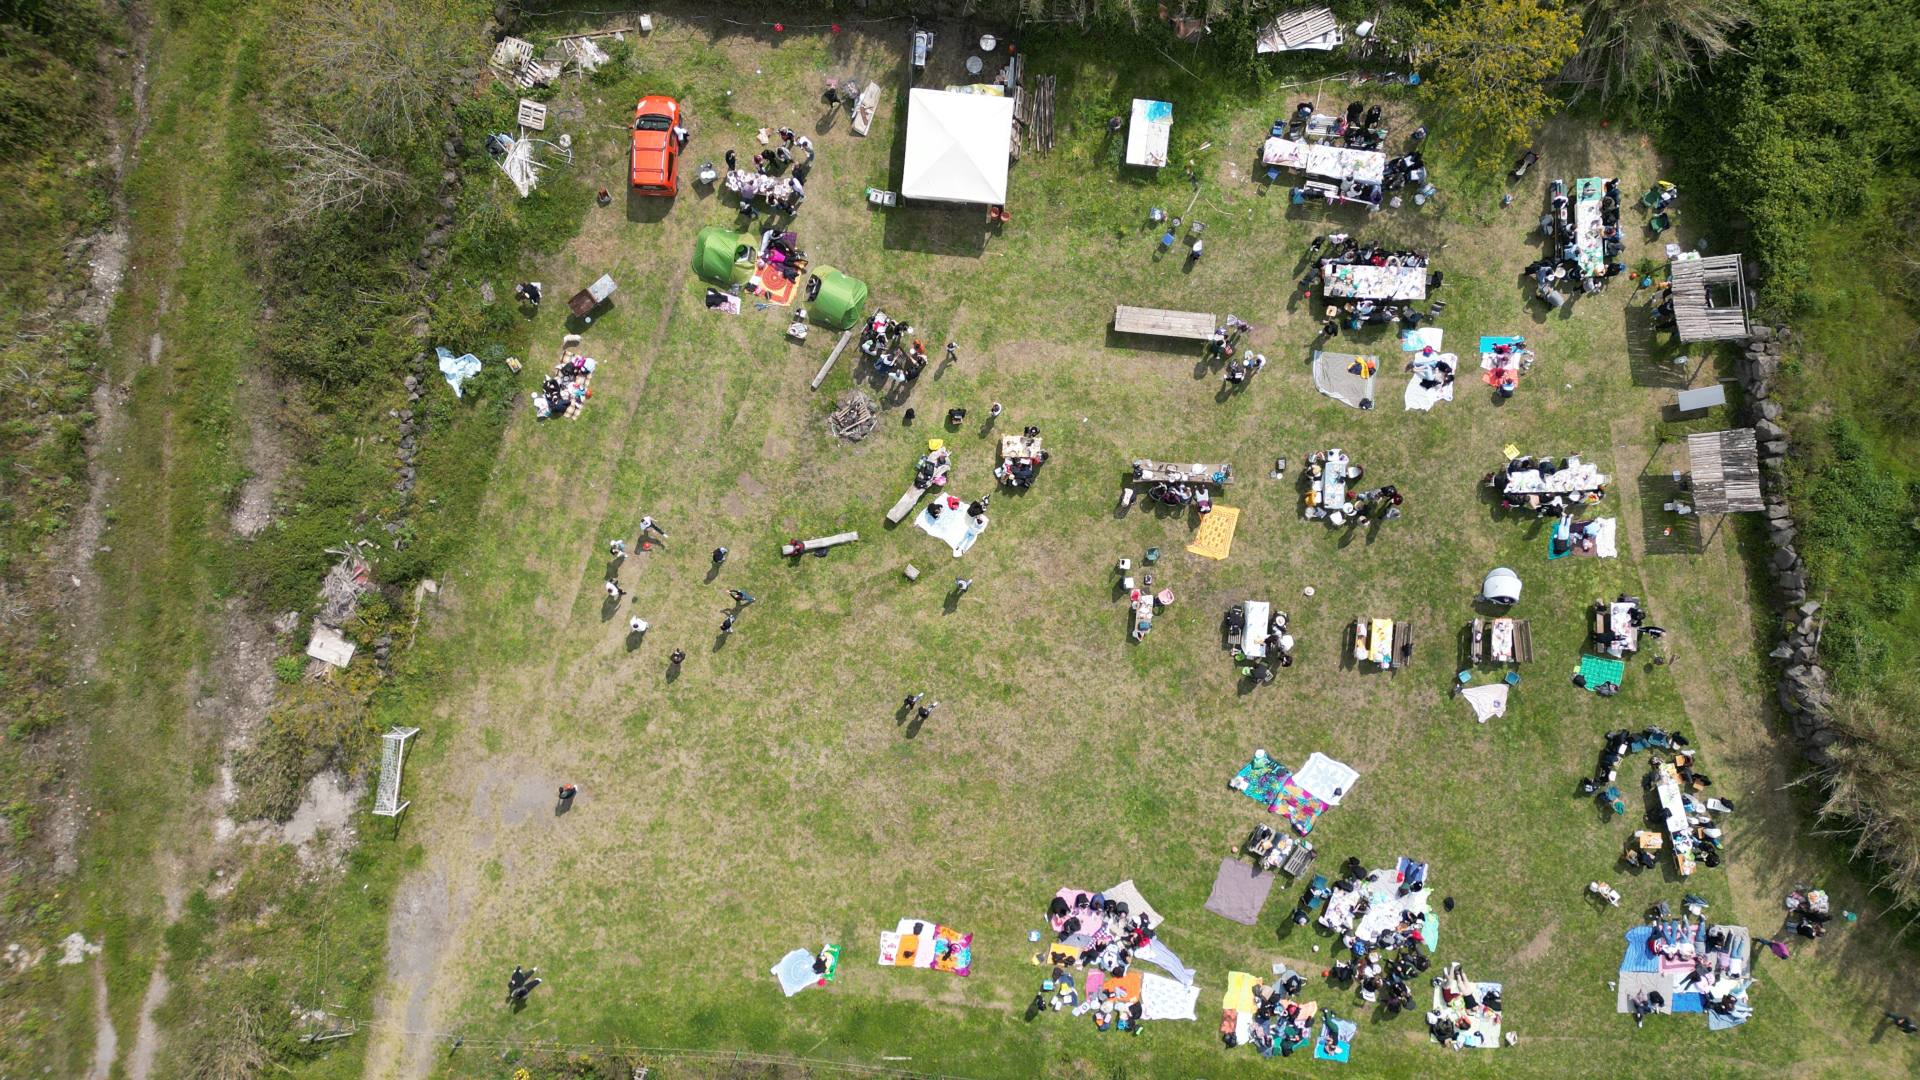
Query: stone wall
(1804, 698)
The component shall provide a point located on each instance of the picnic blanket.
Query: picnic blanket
(954, 525)
(773, 286)
(1239, 892)
(1214, 538)
(795, 970)
(1497, 368)
(1127, 893)
(457, 369)
(1162, 998)
(1423, 398)
(1302, 797)
(1482, 1025)
(1564, 543)
(1342, 1032)
(1345, 377)
(1385, 908)
(923, 943)
(1487, 701)
(1156, 952)
(1596, 671)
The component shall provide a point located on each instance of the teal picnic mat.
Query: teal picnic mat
(1598, 670)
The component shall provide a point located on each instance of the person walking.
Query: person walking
(648, 525)
(913, 699)
(740, 597)
(926, 710)
(804, 143)
(519, 996)
(614, 591)
(953, 352)
(993, 411)
(518, 979)
(719, 556)
(637, 626)
(617, 549)
(962, 584)
(726, 622)
(567, 792)
(733, 160)
(1904, 1023)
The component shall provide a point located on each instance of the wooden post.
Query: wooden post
(821, 375)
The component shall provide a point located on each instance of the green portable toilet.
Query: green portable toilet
(724, 257)
(838, 300)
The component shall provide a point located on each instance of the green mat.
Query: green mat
(1598, 670)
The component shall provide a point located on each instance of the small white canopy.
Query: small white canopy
(957, 147)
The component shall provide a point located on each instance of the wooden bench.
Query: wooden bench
(1157, 322)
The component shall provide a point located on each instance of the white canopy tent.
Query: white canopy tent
(957, 147)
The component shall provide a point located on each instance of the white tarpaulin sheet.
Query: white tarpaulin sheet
(1148, 134)
(957, 147)
(1488, 701)
(1326, 779)
(1323, 159)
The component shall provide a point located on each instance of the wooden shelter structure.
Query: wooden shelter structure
(1709, 298)
(1726, 471)
(1307, 28)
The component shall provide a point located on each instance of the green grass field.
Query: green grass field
(770, 797)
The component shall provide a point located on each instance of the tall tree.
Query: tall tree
(1652, 47)
(1491, 60)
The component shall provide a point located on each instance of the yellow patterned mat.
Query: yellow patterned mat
(1214, 540)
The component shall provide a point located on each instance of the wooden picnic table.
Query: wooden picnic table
(1146, 470)
(1019, 446)
(1159, 322)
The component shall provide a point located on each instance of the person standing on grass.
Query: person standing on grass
(520, 995)
(648, 525)
(719, 556)
(740, 597)
(804, 143)
(614, 591)
(953, 352)
(677, 657)
(1904, 1023)
(733, 161)
(637, 626)
(567, 792)
(726, 622)
(617, 549)
(927, 710)
(961, 585)
(518, 979)
(912, 700)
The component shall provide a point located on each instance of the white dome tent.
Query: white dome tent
(1501, 587)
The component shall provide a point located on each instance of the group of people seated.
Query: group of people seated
(1342, 249)
(1808, 911)
(781, 250)
(1544, 503)
(1431, 369)
(782, 195)
(1019, 471)
(1280, 1023)
(564, 391)
(1564, 240)
(1609, 636)
(1106, 934)
(1457, 992)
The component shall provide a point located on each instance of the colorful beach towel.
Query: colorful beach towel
(923, 943)
(1303, 797)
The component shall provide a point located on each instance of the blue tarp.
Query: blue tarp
(1639, 957)
(457, 369)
